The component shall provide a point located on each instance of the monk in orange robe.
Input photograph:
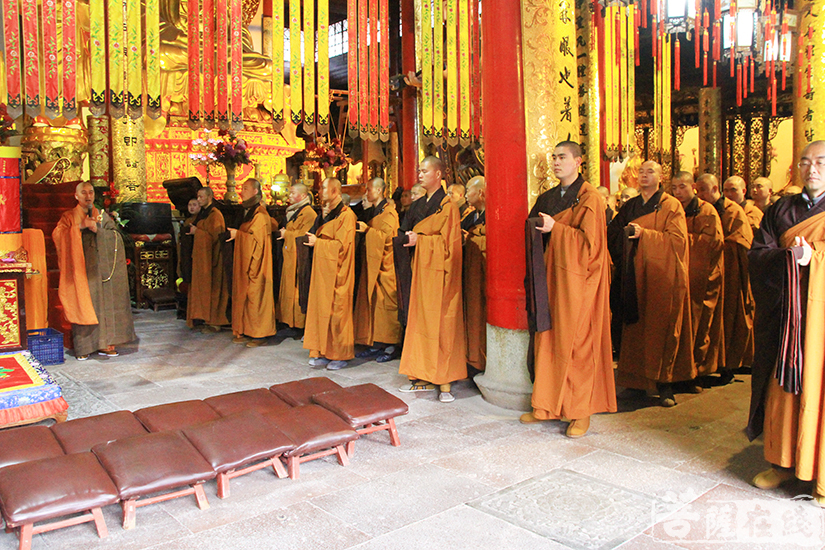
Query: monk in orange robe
(376, 303)
(706, 270)
(735, 189)
(474, 281)
(253, 302)
(649, 246)
(458, 194)
(208, 293)
(300, 216)
(761, 193)
(573, 360)
(434, 350)
(93, 287)
(329, 334)
(787, 263)
(737, 301)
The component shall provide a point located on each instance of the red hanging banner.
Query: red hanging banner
(69, 60)
(237, 64)
(31, 46)
(352, 67)
(194, 74)
(363, 69)
(50, 58)
(475, 48)
(222, 47)
(11, 36)
(384, 115)
(10, 211)
(208, 21)
(374, 69)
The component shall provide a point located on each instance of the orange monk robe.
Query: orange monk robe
(793, 423)
(434, 348)
(376, 304)
(706, 272)
(329, 329)
(659, 347)
(253, 303)
(474, 284)
(574, 359)
(737, 302)
(753, 213)
(93, 287)
(208, 293)
(289, 309)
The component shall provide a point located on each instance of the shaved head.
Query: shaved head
(477, 181)
(476, 193)
(734, 189)
(84, 192)
(330, 189)
(707, 187)
(376, 190)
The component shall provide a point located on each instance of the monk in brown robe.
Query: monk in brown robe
(735, 189)
(737, 299)
(474, 279)
(458, 194)
(761, 193)
(300, 216)
(187, 241)
(208, 294)
(376, 304)
(649, 245)
(253, 303)
(329, 334)
(434, 351)
(787, 263)
(93, 287)
(706, 271)
(573, 367)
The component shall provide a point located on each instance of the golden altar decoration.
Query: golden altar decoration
(167, 157)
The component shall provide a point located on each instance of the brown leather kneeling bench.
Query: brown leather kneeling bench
(49, 488)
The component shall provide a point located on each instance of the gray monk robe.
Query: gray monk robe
(93, 289)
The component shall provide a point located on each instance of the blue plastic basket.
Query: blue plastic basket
(46, 345)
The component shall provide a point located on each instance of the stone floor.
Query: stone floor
(467, 474)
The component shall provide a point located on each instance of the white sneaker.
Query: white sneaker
(318, 362)
(446, 397)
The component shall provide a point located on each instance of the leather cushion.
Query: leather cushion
(300, 392)
(80, 435)
(27, 443)
(153, 462)
(261, 400)
(54, 487)
(176, 416)
(361, 405)
(312, 428)
(237, 439)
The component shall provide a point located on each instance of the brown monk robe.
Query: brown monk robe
(300, 216)
(573, 366)
(253, 304)
(93, 287)
(787, 263)
(474, 278)
(737, 300)
(735, 189)
(376, 304)
(434, 349)
(329, 334)
(208, 295)
(706, 272)
(657, 341)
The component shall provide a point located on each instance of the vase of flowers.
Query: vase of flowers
(327, 157)
(228, 150)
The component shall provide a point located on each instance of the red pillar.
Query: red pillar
(409, 137)
(505, 152)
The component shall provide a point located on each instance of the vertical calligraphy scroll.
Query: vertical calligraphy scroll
(97, 65)
(363, 69)
(323, 66)
(277, 65)
(193, 52)
(237, 65)
(809, 104)
(69, 60)
(50, 58)
(222, 45)
(438, 72)
(295, 69)
(134, 59)
(452, 72)
(153, 58)
(31, 46)
(374, 69)
(352, 67)
(309, 67)
(208, 22)
(384, 118)
(427, 72)
(11, 36)
(464, 52)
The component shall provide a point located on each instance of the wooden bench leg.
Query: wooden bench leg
(100, 523)
(129, 513)
(200, 496)
(343, 459)
(223, 485)
(351, 448)
(278, 466)
(394, 439)
(294, 467)
(26, 536)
